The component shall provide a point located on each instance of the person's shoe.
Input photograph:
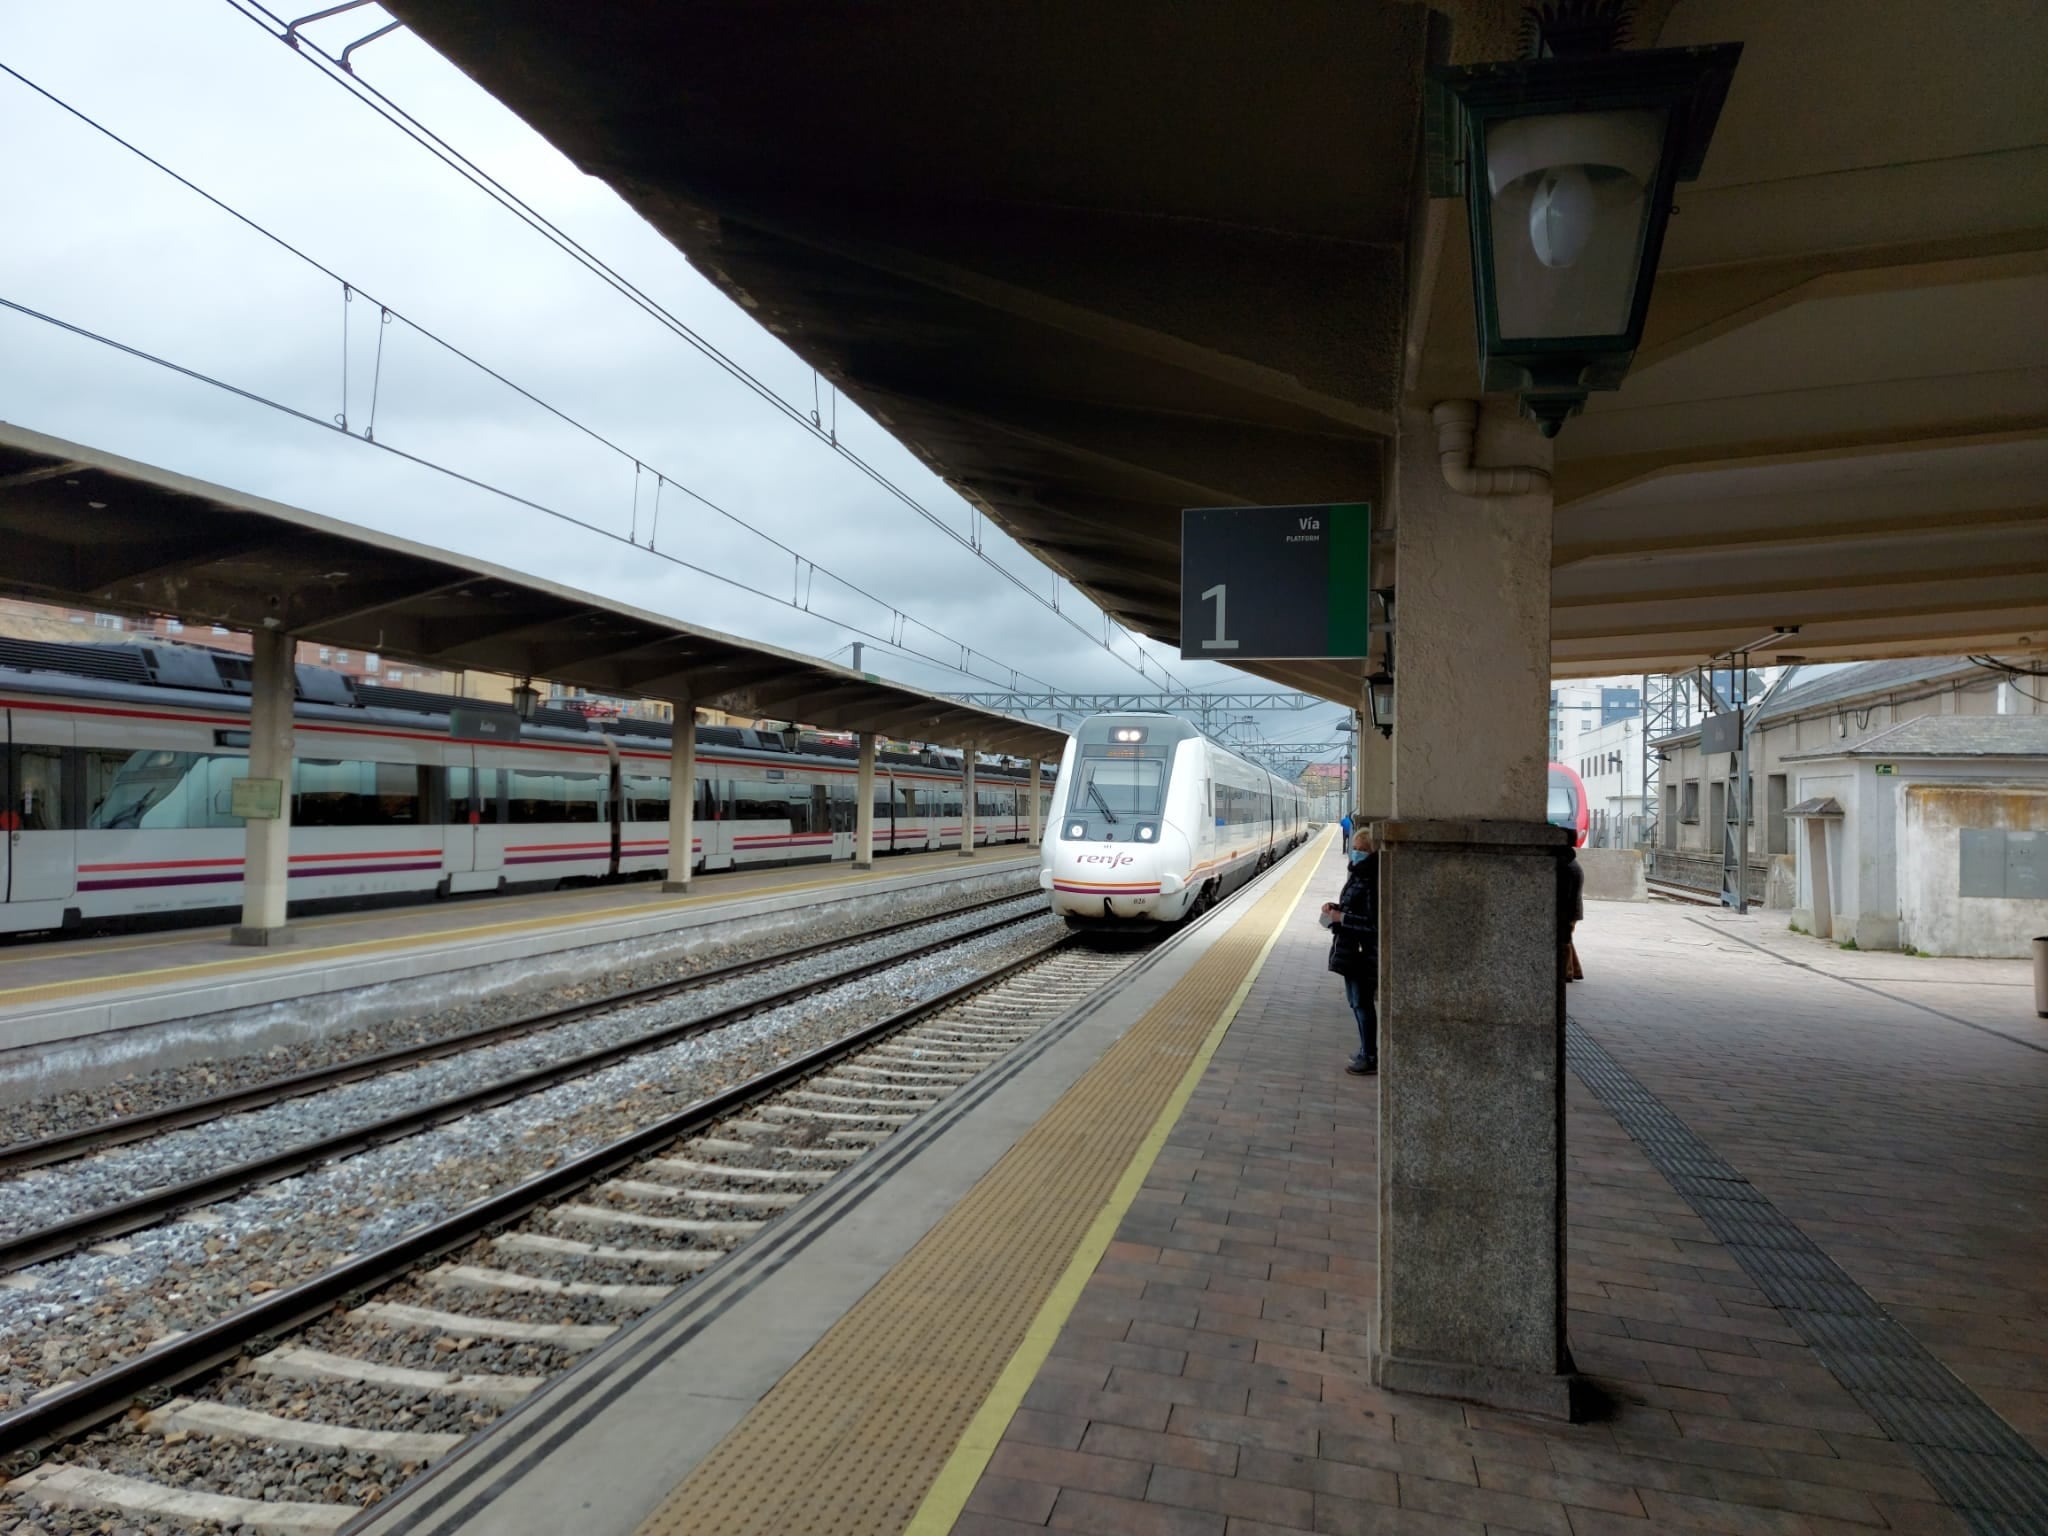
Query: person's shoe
(1359, 1066)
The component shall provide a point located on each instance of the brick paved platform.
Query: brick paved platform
(1212, 1380)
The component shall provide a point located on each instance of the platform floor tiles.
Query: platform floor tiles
(1213, 1381)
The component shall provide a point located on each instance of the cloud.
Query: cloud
(105, 241)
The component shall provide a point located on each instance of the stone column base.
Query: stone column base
(863, 863)
(675, 887)
(1488, 1386)
(259, 938)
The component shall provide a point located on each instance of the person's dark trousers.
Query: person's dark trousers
(1359, 995)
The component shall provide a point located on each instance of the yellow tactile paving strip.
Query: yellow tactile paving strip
(851, 1439)
(275, 959)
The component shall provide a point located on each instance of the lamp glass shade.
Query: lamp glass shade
(1571, 196)
(1379, 692)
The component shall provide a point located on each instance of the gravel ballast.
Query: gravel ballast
(40, 1197)
(75, 1109)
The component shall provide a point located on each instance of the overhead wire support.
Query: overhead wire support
(459, 476)
(399, 118)
(386, 313)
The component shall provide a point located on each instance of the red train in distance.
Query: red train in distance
(1567, 805)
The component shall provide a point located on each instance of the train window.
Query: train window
(132, 790)
(907, 800)
(798, 803)
(835, 802)
(1562, 809)
(536, 796)
(758, 800)
(647, 797)
(331, 793)
(1133, 785)
(885, 803)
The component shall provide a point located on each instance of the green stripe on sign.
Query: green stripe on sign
(1349, 630)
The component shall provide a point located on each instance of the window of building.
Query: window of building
(327, 653)
(108, 621)
(173, 627)
(1776, 834)
(370, 660)
(220, 629)
(1689, 801)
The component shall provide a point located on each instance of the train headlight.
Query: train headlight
(1077, 829)
(1144, 834)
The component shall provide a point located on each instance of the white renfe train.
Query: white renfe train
(116, 762)
(1156, 822)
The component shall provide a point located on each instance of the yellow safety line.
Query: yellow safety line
(40, 991)
(954, 1485)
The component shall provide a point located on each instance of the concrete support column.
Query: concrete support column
(1471, 1130)
(682, 798)
(864, 794)
(266, 859)
(1037, 816)
(967, 801)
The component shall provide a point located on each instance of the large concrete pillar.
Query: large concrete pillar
(266, 859)
(967, 801)
(682, 798)
(1471, 1130)
(1037, 790)
(864, 794)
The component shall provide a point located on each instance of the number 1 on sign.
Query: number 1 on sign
(1219, 643)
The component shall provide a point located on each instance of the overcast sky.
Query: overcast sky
(98, 238)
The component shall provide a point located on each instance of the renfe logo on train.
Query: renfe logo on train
(1113, 860)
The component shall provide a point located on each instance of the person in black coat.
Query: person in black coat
(1354, 923)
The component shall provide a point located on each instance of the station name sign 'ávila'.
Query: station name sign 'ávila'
(1275, 583)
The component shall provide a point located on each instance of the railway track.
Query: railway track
(234, 1177)
(43, 1151)
(1684, 895)
(432, 1335)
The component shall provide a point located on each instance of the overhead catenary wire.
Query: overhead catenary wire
(398, 117)
(569, 518)
(386, 314)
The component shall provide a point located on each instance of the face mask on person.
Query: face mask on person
(1359, 855)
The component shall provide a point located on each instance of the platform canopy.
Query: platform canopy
(1098, 263)
(88, 529)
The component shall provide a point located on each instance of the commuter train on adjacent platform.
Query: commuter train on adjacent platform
(117, 761)
(1156, 822)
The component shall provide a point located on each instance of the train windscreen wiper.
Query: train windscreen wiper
(1107, 814)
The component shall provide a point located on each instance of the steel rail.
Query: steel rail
(147, 1377)
(66, 1145)
(67, 1236)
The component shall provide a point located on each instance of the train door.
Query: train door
(36, 821)
(475, 845)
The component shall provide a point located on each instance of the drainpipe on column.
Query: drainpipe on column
(1457, 425)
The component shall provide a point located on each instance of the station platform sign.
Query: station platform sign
(1276, 583)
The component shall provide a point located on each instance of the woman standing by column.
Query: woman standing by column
(1354, 923)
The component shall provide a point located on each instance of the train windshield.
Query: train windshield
(1564, 805)
(1119, 786)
